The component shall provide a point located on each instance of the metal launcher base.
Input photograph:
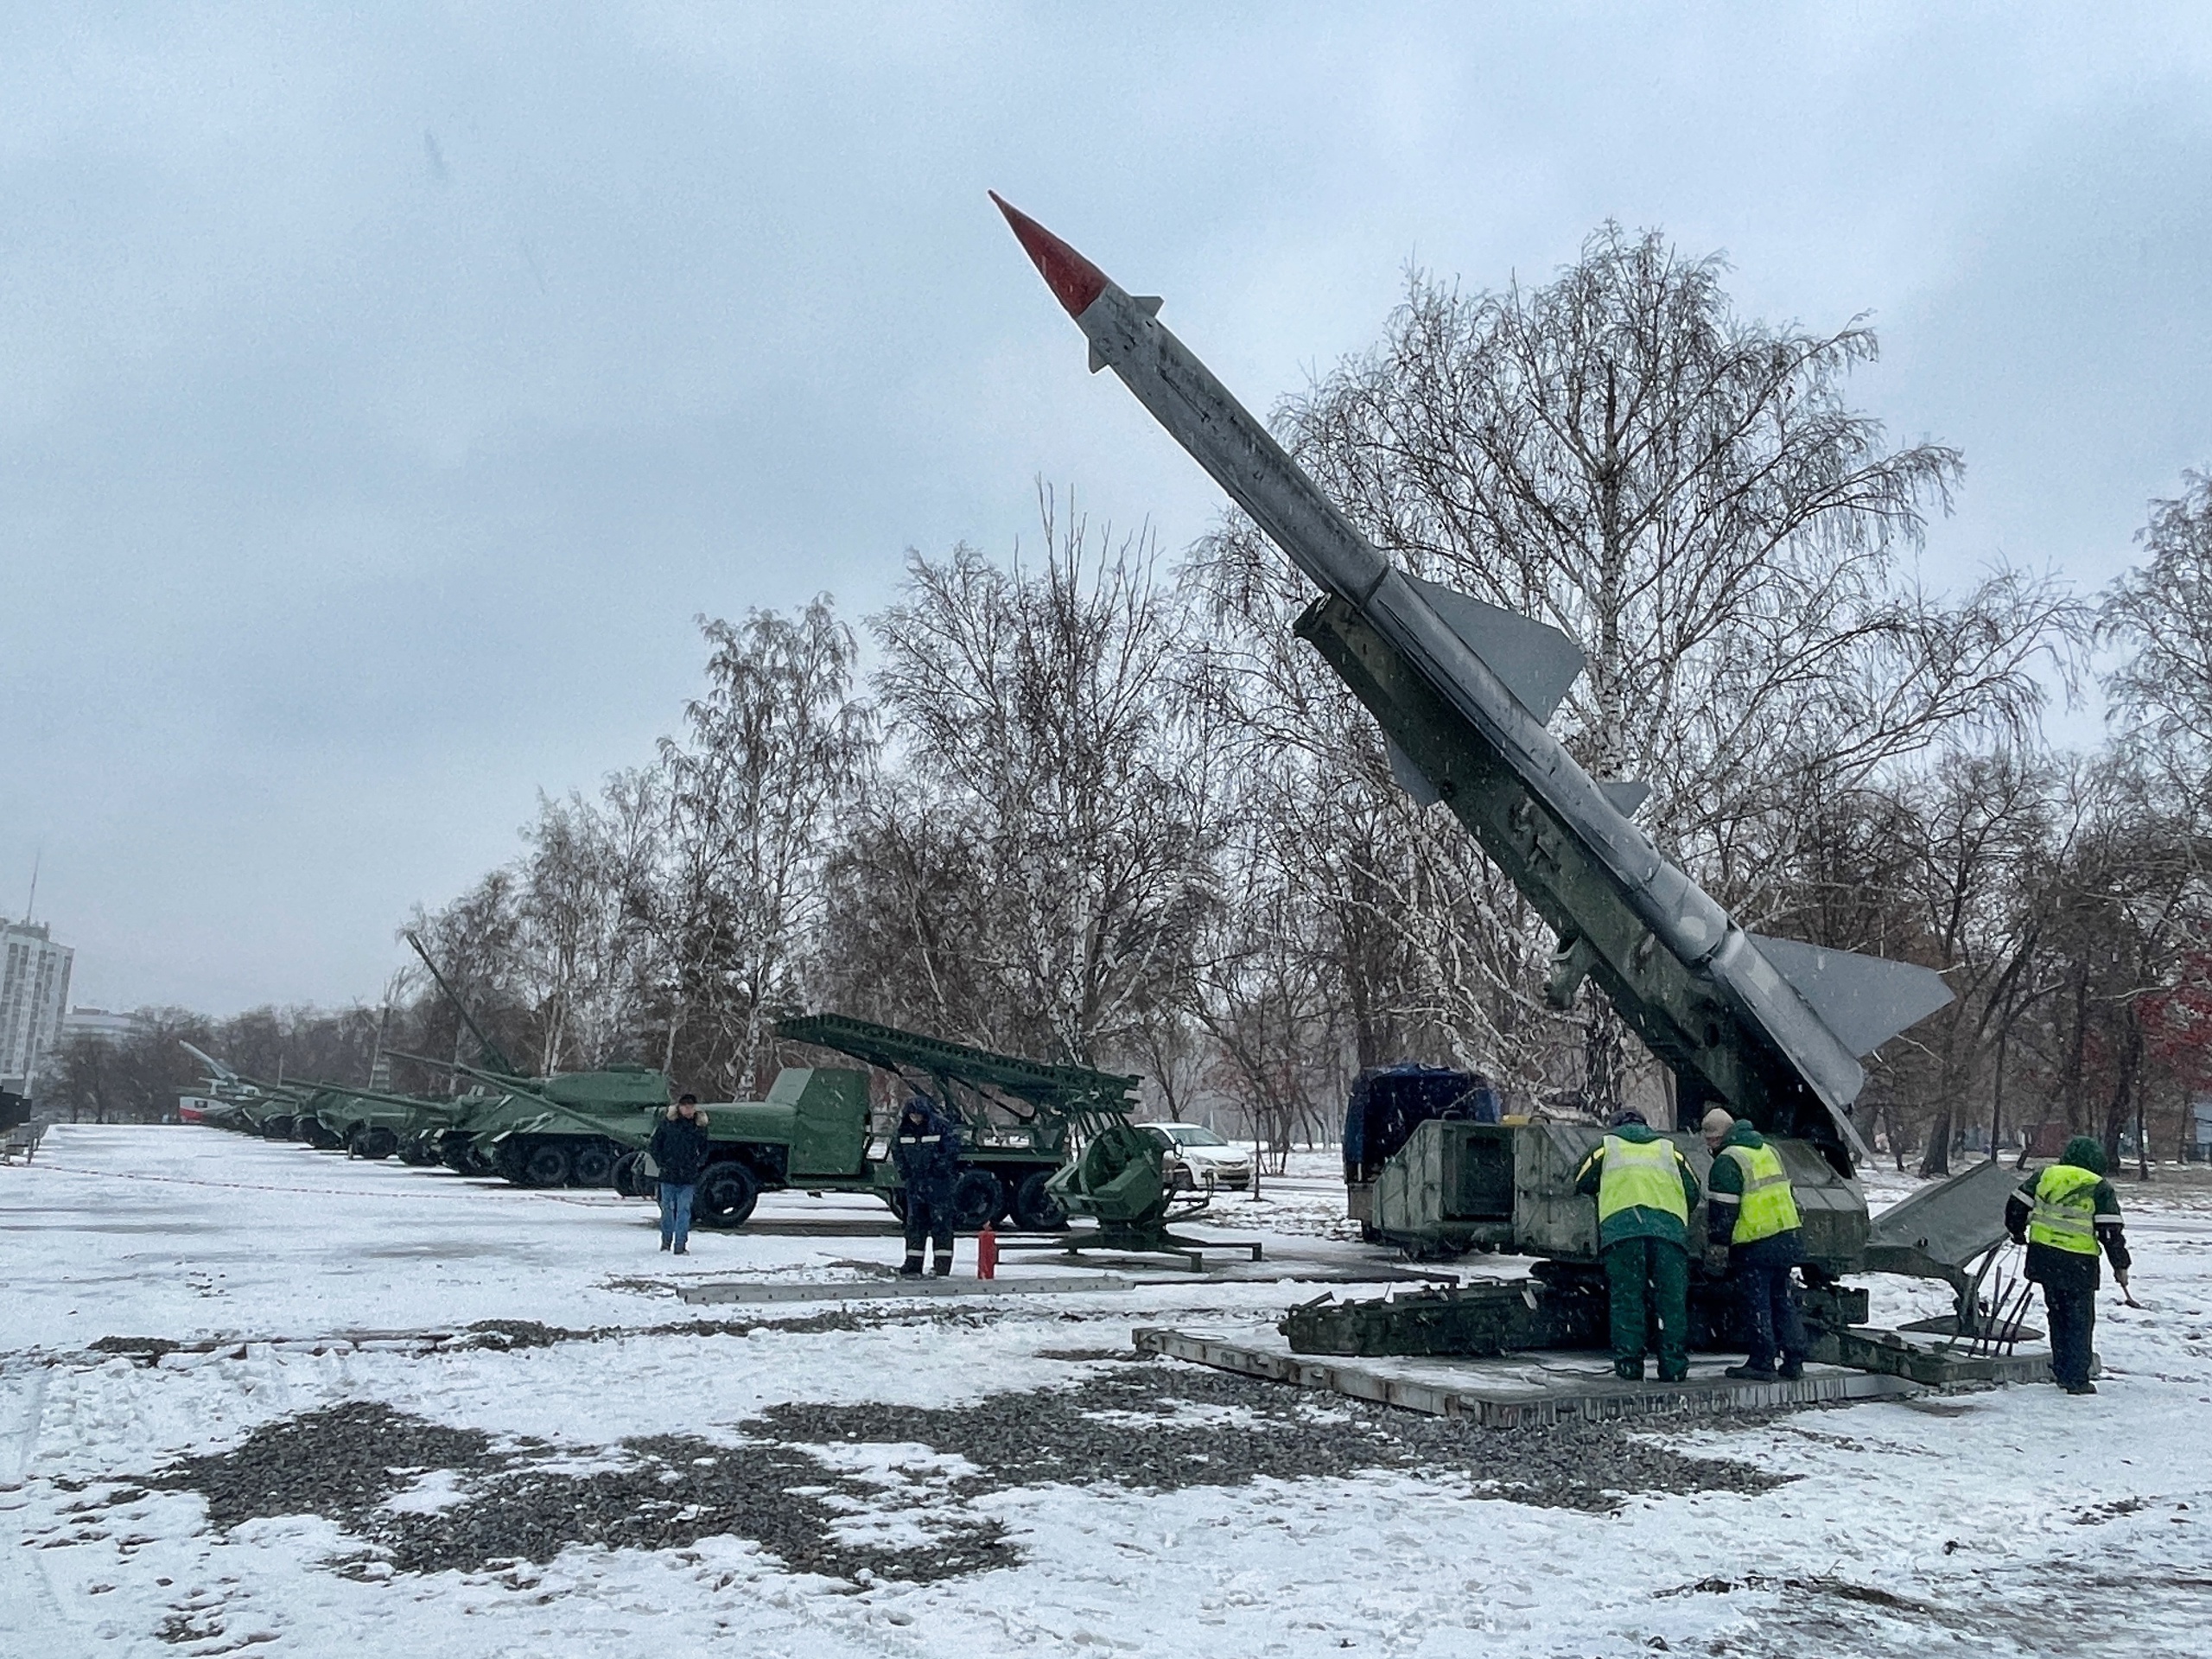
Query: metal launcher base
(1567, 1311)
(1135, 1244)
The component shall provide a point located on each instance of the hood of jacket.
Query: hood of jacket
(2085, 1151)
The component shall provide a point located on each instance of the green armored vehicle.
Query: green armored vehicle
(375, 1124)
(561, 1131)
(564, 1131)
(249, 1108)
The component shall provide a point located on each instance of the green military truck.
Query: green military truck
(1022, 1120)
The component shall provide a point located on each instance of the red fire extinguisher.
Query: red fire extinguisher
(986, 1253)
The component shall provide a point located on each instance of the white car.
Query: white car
(1198, 1157)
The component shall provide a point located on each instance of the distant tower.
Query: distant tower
(33, 995)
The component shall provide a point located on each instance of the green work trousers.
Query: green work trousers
(1648, 1280)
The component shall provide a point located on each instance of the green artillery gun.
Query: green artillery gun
(1121, 1184)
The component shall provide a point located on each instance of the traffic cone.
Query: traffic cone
(986, 1253)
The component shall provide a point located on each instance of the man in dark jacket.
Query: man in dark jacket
(679, 1151)
(2065, 1215)
(1645, 1194)
(926, 1148)
(1754, 1234)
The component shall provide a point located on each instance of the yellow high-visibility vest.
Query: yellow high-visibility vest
(2064, 1215)
(1769, 1204)
(1641, 1175)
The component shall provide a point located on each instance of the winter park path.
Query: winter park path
(256, 1399)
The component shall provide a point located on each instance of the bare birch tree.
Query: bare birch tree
(1685, 493)
(1044, 848)
(776, 751)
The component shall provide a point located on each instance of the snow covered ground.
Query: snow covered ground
(629, 1474)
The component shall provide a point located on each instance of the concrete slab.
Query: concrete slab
(879, 1289)
(1523, 1390)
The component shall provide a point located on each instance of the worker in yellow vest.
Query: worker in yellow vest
(1754, 1235)
(1645, 1194)
(2066, 1215)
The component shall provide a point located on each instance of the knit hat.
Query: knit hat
(1627, 1115)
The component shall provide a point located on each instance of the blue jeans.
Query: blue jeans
(676, 1211)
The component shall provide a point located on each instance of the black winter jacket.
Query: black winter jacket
(679, 1150)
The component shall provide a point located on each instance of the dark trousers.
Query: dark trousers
(1770, 1318)
(2072, 1310)
(931, 1220)
(1648, 1282)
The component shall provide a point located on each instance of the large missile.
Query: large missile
(1773, 1027)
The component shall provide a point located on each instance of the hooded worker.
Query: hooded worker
(1753, 1233)
(926, 1148)
(1645, 1194)
(2066, 1215)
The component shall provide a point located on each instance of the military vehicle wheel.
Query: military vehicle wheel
(1036, 1207)
(276, 1128)
(625, 1178)
(592, 1166)
(375, 1143)
(545, 1165)
(978, 1200)
(418, 1151)
(726, 1195)
(317, 1134)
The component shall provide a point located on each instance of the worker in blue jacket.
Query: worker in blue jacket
(925, 1149)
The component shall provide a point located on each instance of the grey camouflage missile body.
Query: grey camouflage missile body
(1773, 1028)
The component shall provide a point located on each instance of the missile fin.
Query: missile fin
(1864, 1000)
(1536, 661)
(1410, 778)
(1147, 303)
(1098, 361)
(1625, 798)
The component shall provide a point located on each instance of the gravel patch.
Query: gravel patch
(1160, 1427)
(792, 1487)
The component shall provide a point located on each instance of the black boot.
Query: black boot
(912, 1267)
(1791, 1370)
(1629, 1370)
(944, 1268)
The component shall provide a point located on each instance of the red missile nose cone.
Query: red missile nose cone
(1075, 282)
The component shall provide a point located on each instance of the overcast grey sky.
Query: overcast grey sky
(387, 387)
